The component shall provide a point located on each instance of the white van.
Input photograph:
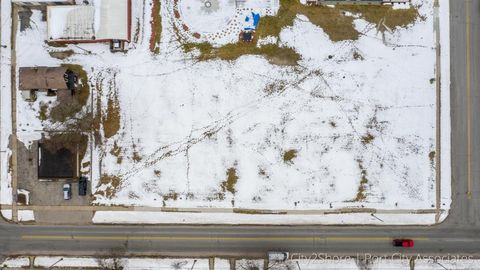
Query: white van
(67, 191)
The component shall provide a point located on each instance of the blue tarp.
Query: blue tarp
(252, 21)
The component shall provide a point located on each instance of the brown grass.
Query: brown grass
(333, 21)
(272, 52)
(156, 24)
(117, 152)
(367, 139)
(113, 182)
(361, 196)
(170, 196)
(289, 155)
(111, 123)
(43, 114)
(66, 110)
(136, 156)
(229, 184)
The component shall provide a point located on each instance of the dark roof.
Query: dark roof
(57, 164)
(43, 78)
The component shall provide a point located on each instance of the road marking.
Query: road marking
(162, 238)
(469, 151)
(200, 238)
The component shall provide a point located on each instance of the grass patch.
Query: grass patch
(113, 183)
(170, 196)
(136, 156)
(361, 196)
(156, 24)
(62, 54)
(65, 110)
(111, 123)
(367, 139)
(117, 152)
(431, 156)
(229, 184)
(43, 114)
(272, 52)
(333, 20)
(289, 156)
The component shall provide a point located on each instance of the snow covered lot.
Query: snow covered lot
(351, 126)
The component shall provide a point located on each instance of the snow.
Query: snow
(140, 217)
(22, 215)
(16, 262)
(127, 263)
(322, 261)
(221, 264)
(5, 103)
(190, 122)
(218, 21)
(248, 264)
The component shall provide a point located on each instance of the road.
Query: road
(459, 234)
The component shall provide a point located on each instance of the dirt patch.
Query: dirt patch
(111, 123)
(230, 183)
(61, 54)
(289, 156)
(156, 23)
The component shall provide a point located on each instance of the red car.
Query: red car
(406, 243)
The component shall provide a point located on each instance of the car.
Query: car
(82, 186)
(67, 191)
(406, 243)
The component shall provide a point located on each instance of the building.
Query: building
(101, 21)
(56, 162)
(42, 2)
(47, 78)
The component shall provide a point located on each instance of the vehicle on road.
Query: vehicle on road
(406, 243)
(67, 191)
(82, 186)
(277, 256)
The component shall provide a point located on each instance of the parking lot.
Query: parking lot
(49, 193)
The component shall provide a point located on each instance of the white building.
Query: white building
(104, 20)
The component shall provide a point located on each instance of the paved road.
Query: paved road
(459, 234)
(465, 107)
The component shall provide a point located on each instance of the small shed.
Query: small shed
(47, 78)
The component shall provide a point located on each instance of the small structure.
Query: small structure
(43, 2)
(55, 163)
(47, 78)
(247, 36)
(103, 21)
